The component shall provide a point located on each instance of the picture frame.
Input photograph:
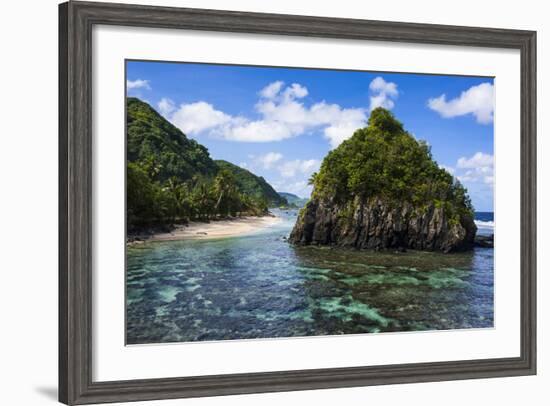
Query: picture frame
(76, 20)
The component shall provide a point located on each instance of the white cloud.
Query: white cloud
(299, 188)
(295, 91)
(267, 160)
(293, 174)
(478, 160)
(449, 169)
(340, 132)
(476, 173)
(477, 100)
(479, 168)
(282, 115)
(137, 84)
(468, 176)
(271, 90)
(341, 123)
(197, 117)
(166, 107)
(379, 85)
(274, 91)
(290, 169)
(240, 129)
(383, 93)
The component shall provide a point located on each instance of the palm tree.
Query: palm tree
(311, 180)
(225, 191)
(203, 199)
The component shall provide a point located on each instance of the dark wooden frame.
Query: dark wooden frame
(76, 20)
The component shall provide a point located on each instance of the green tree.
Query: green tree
(171, 178)
(385, 161)
(226, 193)
(147, 202)
(203, 201)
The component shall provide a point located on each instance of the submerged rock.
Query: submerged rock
(484, 241)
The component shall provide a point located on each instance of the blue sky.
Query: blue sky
(280, 122)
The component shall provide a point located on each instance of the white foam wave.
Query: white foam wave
(484, 224)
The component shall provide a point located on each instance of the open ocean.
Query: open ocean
(259, 286)
(485, 222)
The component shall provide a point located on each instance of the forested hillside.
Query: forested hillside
(171, 178)
(252, 185)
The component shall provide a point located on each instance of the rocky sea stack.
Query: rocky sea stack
(381, 189)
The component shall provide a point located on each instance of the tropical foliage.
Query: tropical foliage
(252, 185)
(153, 140)
(383, 160)
(171, 178)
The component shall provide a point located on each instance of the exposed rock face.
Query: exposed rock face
(374, 224)
(382, 189)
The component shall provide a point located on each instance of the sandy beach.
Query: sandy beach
(217, 229)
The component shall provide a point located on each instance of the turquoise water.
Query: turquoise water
(259, 286)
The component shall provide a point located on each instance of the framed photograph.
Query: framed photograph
(259, 202)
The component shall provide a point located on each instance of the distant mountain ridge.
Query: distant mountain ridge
(293, 199)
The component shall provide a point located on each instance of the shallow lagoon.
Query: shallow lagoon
(259, 286)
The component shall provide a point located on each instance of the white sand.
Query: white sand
(218, 229)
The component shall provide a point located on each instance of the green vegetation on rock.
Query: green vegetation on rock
(381, 188)
(385, 161)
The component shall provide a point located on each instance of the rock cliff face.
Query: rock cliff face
(381, 189)
(378, 225)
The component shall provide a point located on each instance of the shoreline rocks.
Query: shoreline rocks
(484, 241)
(379, 225)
